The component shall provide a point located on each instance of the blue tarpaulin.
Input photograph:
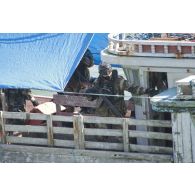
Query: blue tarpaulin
(40, 61)
(98, 43)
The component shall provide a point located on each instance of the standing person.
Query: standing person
(110, 83)
(81, 76)
(80, 80)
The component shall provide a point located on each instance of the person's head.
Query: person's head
(105, 70)
(87, 59)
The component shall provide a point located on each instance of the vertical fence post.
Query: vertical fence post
(78, 132)
(3, 102)
(50, 131)
(2, 129)
(126, 135)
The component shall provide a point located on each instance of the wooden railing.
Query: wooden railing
(82, 132)
(120, 45)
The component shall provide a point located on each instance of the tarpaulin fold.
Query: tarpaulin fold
(40, 60)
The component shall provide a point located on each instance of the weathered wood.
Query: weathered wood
(192, 123)
(2, 130)
(73, 100)
(23, 115)
(50, 131)
(104, 145)
(177, 137)
(3, 101)
(187, 142)
(105, 120)
(64, 143)
(151, 123)
(32, 154)
(125, 136)
(78, 132)
(81, 132)
(152, 149)
(63, 130)
(62, 118)
(103, 132)
(183, 137)
(26, 140)
(26, 128)
(150, 135)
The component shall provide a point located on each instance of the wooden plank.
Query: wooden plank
(103, 132)
(151, 123)
(175, 137)
(105, 120)
(33, 154)
(150, 135)
(64, 143)
(187, 142)
(81, 132)
(192, 123)
(62, 118)
(24, 115)
(125, 136)
(26, 140)
(50, 131)
(3, 101)
(152, 149)
(78, 132)
(26, 128)
(2, 130)
(180, 152)
(73, 100)
(63, 130)
(104, 145)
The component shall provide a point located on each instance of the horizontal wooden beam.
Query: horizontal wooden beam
(32, 154)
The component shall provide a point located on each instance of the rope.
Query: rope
(109, 95)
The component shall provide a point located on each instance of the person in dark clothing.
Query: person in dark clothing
(110, 83)
(81, 76)
(16, 99)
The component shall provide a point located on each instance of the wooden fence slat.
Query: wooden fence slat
(81, 132)
(151, 123)
(3, 138)
(125, 136)
(78, 132)
(24, 115)
(104, 145)
(193, 136)
(63, 130)
(62, 118)
(3, 101)
(153, 149)
(26, 140)
(150, 135)
(64, 143)
(50, 131)
(105, 120)
(26, 128)
(187, 142)
(103, 132)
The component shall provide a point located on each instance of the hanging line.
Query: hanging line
(109, 95)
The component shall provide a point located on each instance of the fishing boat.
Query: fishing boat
(151, 136)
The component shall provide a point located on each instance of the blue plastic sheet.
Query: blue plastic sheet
(97, 44)
(40, 61)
